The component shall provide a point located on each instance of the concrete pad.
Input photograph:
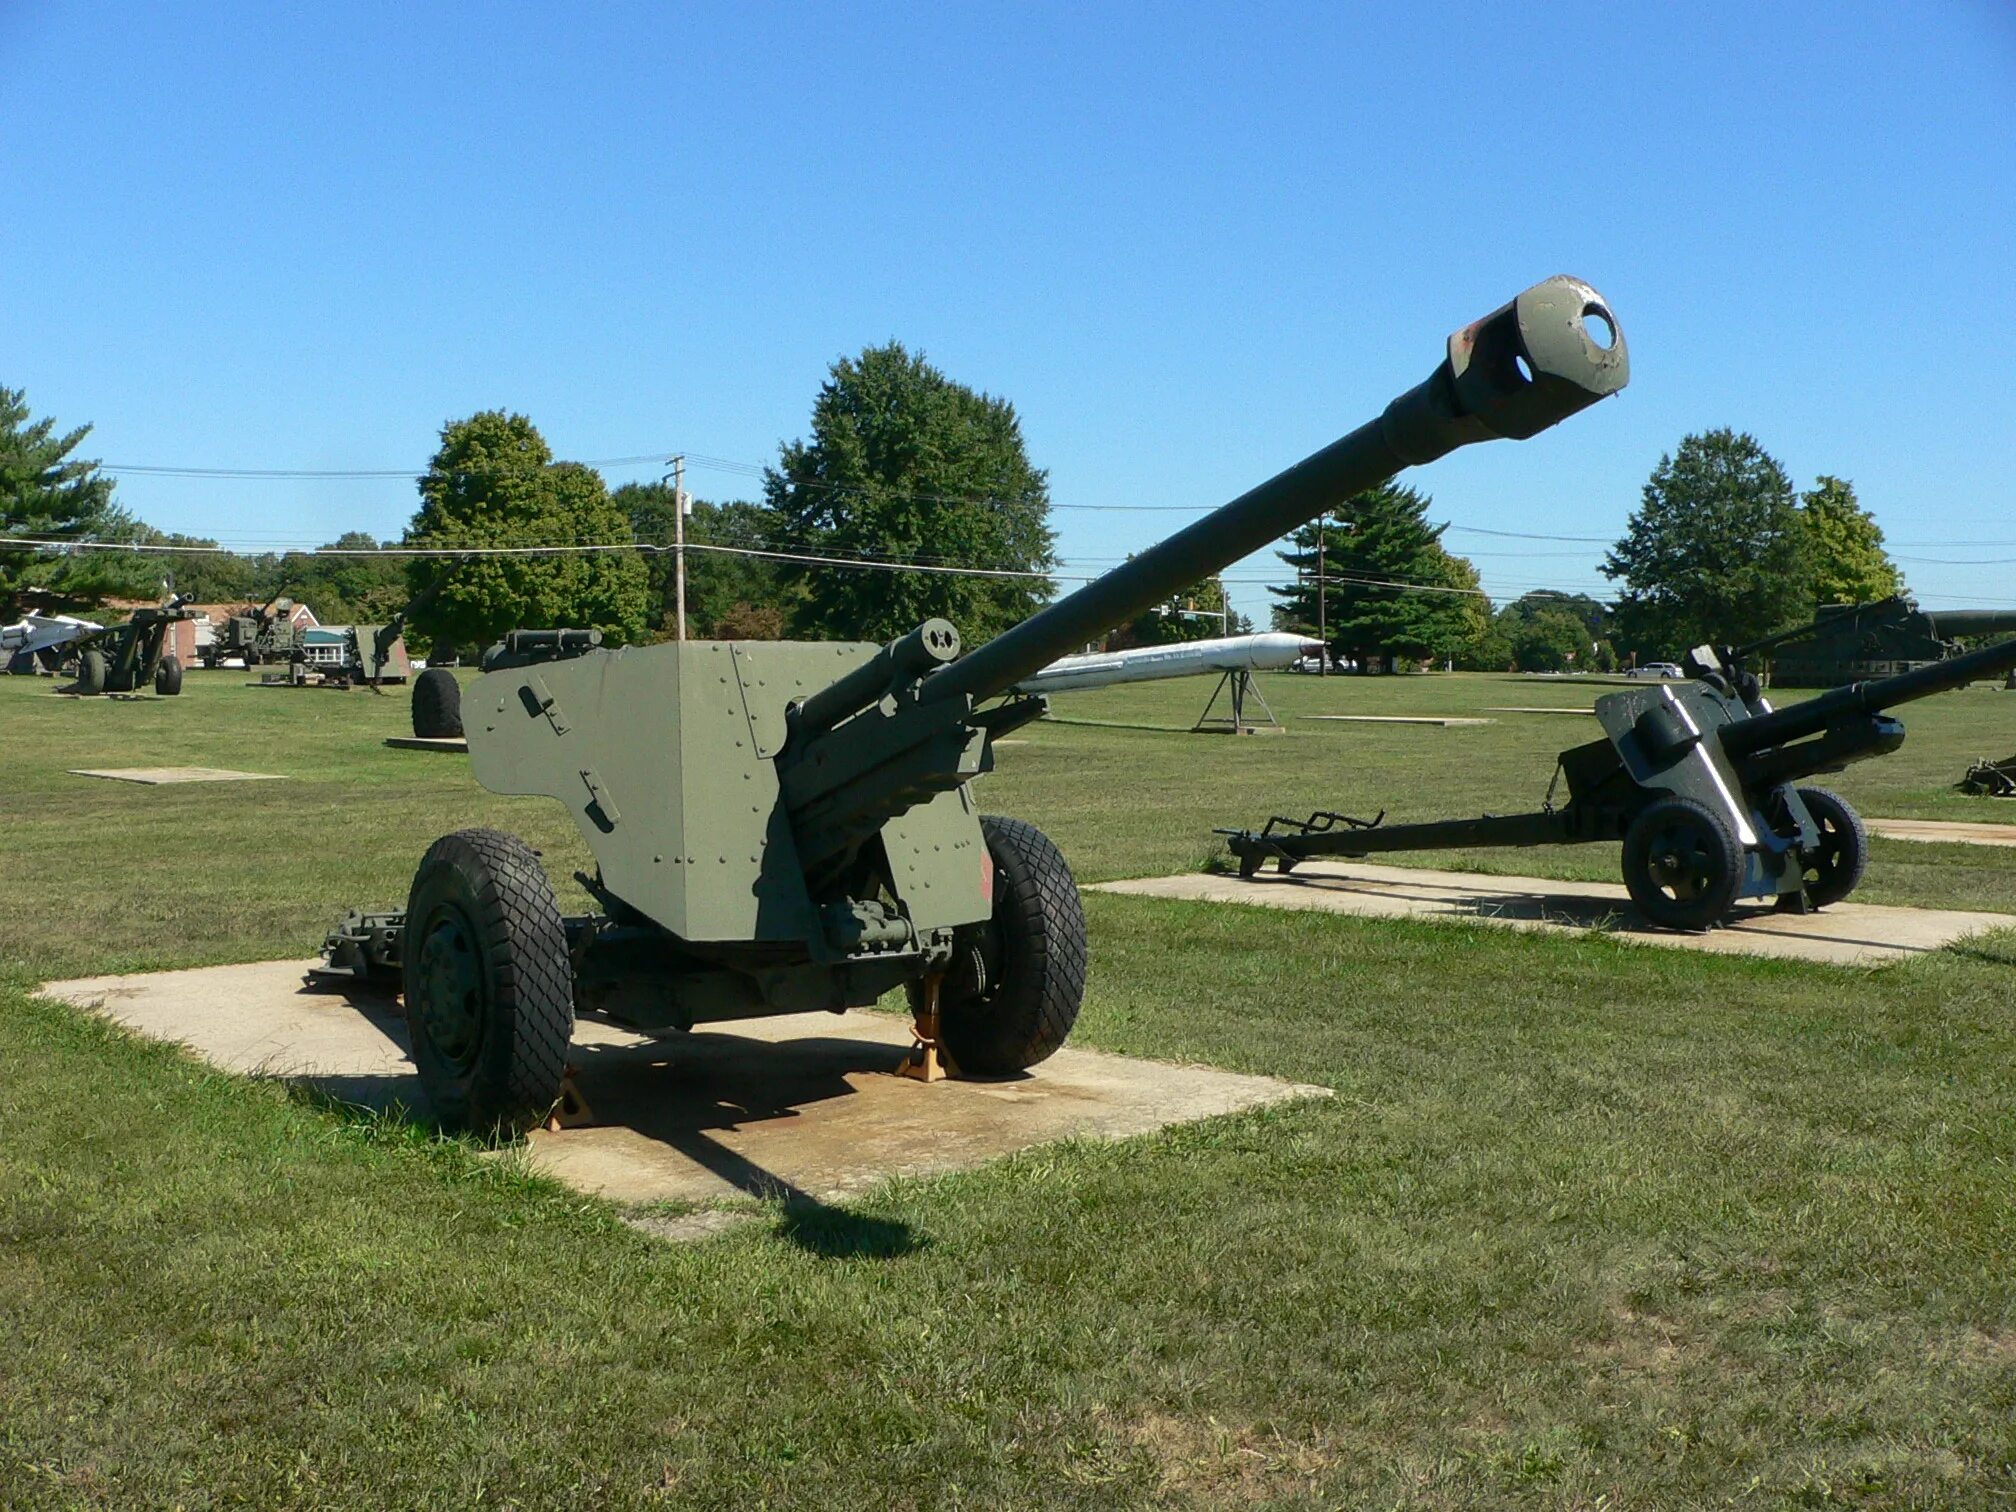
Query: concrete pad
(802, 1106)
(458, 743)
(1406, 719)
(1942, 831)
(155, 776)
(1536, 709)
(1846, 934)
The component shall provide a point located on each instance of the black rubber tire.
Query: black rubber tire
(1034, 947)
(437, 705)
(168, 676)
(489, 991)
(251, 659)
(1843, 857)
(1682, 866)
(91, 671)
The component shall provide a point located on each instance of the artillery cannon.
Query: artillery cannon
(126, 658)
(1699, 779)
(366, 655)
(267, 633)
(1991, 779)
(789, 827)
(1845, 642)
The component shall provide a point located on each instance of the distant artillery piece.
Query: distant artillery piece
(1699, 780)
(266, 634)
(126, 658)
(1848, 642)
(367, 655)
(1991, 779)
(788, 827)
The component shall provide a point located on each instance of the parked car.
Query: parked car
(1656, 669)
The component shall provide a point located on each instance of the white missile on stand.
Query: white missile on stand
(1232, 653)
(42, 632)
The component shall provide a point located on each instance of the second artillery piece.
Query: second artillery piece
(1700, 780)
(265, 633)
(1846, 642)
(127, 658)
(784, 827)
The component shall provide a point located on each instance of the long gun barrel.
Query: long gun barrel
(1519, 370)
(1763, 732)
(1949, 624)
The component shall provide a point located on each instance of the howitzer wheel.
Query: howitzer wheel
(1682, 866)
(168, 676)
(92, 671)
(437, 704)
(1011, 1000)
(1834, 868)
(489, 991)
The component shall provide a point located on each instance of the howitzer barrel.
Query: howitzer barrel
(1519, 370)
(930, 645)
(1763, 731)
(1951, 623)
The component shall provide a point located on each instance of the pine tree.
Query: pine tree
(1390, 590)
(48, 494)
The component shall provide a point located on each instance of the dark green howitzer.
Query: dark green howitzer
(785, 827)
(266, 634)
(1849, 641)
(1699, 779)
(126, 658)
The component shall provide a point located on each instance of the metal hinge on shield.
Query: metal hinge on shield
(539, 699)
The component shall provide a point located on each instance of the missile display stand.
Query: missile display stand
(1235, 687)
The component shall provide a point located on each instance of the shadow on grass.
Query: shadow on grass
(817, 1227)
(835, 1233)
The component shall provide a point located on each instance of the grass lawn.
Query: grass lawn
(1585, 1225)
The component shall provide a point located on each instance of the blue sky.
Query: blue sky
(1191, 244)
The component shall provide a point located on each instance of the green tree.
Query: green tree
(1716, 552)
(727, 597)
(216, 576)
(1389, 589)
(346, 589)
(1549, 639)
(905, 464)
(494, 483)
(47, 493)
(1845, 544)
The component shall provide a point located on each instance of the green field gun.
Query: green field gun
(1701, 781)
(265, 634)
(787, 827)
(127, 658)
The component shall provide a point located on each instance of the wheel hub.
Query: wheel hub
(1680, 864)
(451, 990)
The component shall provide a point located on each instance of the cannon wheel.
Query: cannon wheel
(1015, 1006)
(1682, 866)
(168, 676)
(1835, 869)
(489, 992)
(91, 671)
(437, 704)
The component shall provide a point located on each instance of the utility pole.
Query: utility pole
(1322, 605)
(679, 507)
